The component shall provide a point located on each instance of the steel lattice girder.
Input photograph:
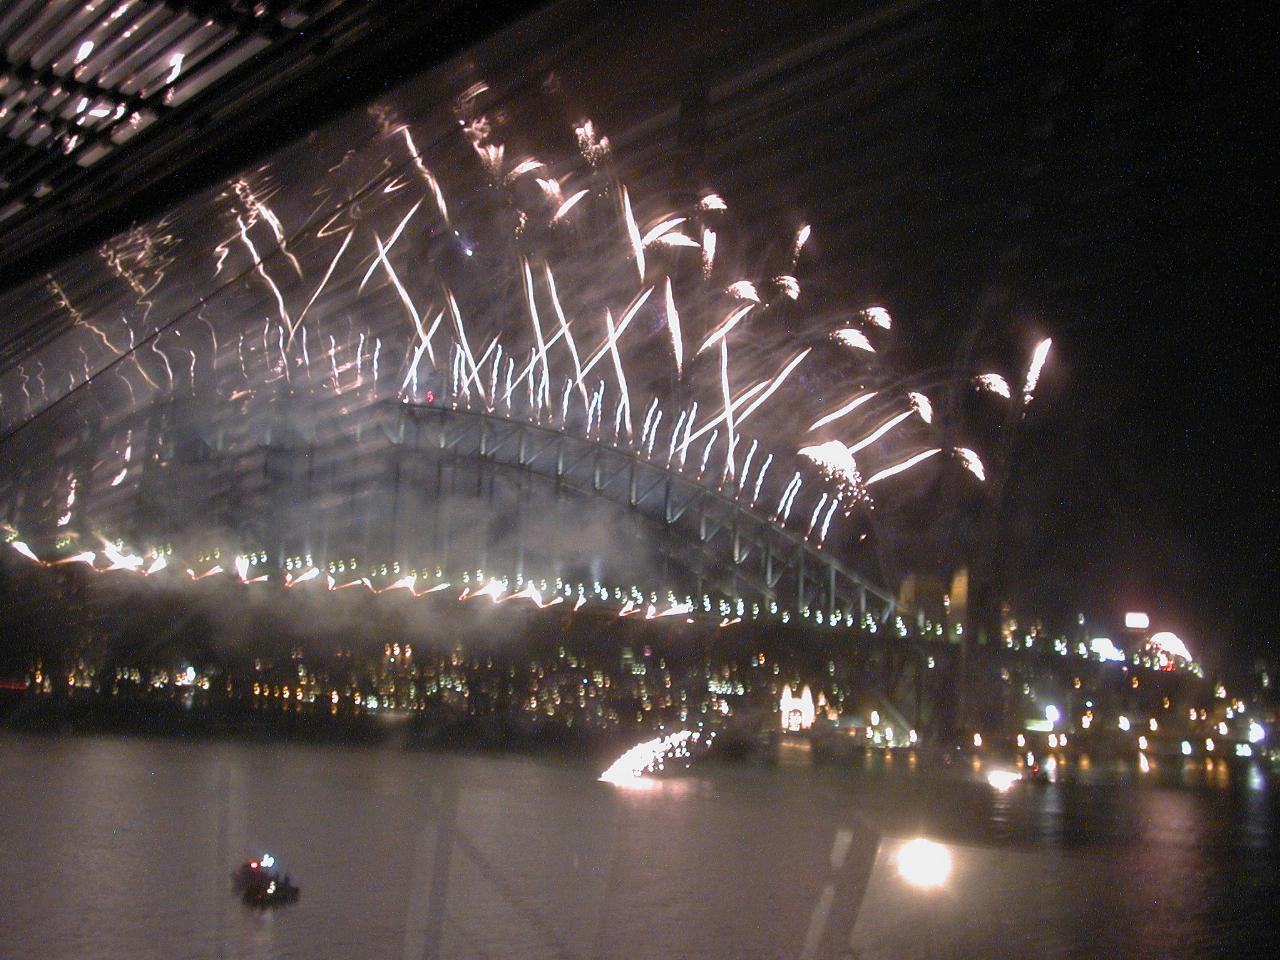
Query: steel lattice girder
(756, 552)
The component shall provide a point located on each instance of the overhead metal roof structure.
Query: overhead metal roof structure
(112, 110)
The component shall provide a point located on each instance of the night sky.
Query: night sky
(1144, 478)
(1099, 176)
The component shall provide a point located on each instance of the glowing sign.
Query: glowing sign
(1136, 621)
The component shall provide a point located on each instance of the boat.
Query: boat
(260, 883)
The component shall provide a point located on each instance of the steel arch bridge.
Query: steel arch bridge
(377, 487)
(728, 546)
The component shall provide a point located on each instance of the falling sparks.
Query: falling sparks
(802, 236)
(920, 403)
(994, 383)
(971, 462)
(850, 337)
(595, 149)
(878, 316)
(834, 459)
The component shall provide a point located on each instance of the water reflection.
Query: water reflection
(409, 854)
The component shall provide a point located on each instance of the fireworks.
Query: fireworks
(853, 338)
(994, 383)
(843, 410)
(920, 403)
(878, 316)
(652, 756)
(834, 459)
(1038, 358)
(897, 468)
(673, 326)
(971, 462)
(506, 305)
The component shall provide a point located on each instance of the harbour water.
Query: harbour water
(117, 847)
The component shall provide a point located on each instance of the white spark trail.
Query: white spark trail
(730, 321)
(625, 401)
(880, 431)
(673, 325)
(842, 411)
(764, 468)
(1033, 372)
(568, 337)
(544, 395)
(728, 408)
(567, 206)
(262, 270)
(666, 226)
(633, 233)
(899, 467)
(391, 242)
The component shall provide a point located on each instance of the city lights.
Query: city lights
(1104, 649)
(1170, 644)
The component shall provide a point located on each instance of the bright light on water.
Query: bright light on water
(924, 864)
(1002, 779)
